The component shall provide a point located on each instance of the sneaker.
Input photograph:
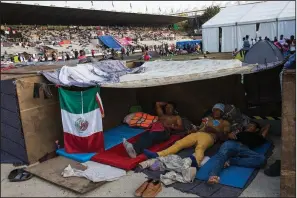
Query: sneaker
(129, 148)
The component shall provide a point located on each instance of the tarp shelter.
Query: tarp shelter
(263, 52)
(36, 122)
(185, 43)
(274, 18)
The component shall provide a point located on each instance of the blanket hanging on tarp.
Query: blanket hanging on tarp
(82, 113)
(91, 74)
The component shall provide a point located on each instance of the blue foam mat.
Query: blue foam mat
(112, 138)
(115, 135)
(234, 176)
(80, 157)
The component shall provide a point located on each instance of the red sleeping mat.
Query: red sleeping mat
(118, 157)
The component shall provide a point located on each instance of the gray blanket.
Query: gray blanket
(91, 74)
(201, 188)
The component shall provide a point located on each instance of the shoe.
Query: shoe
(274, 170)
(129, 148)
(150, 154)
(152, 189)
(142, 188)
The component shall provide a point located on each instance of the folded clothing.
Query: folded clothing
(118, 157)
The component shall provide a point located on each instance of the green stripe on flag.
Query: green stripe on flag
(72, 101)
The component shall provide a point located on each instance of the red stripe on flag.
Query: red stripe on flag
(90, 144)
(100, 104)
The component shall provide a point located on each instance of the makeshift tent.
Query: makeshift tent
(184, 82)
(263, 52)
(275, 18)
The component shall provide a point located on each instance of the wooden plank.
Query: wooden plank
(51, 171)
(40, 117)
(27, 71)
(288, 155)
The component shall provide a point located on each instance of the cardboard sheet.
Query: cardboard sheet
(51, 171)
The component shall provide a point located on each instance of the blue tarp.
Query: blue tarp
(181, 44)
(110, 42)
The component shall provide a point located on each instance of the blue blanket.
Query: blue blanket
(234, 176)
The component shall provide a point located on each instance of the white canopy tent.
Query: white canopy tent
(286, 20)
(274, 18)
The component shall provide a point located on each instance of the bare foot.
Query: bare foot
(227, 164)
(213, 180)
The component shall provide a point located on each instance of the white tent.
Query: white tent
(286, 20)
(274, 18)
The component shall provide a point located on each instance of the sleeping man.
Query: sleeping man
(212, 129)
(238, 152)
(159, 132)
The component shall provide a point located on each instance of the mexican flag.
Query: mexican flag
(82, 113)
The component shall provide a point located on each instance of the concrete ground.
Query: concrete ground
(262, 186)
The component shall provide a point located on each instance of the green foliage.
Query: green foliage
(182, 26)
(210, 12)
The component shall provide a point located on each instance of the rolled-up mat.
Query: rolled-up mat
(234, 176)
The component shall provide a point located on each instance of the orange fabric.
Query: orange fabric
(143, 120)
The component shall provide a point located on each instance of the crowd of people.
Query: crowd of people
(33, 39)
(55, 34)
(286, 45)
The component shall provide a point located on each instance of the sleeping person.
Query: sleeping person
(160, 131)
(238, 152)
(212, 129)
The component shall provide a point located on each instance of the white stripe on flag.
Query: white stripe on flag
(94, 119)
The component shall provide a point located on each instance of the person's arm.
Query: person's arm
(179, 125)
(227, 127)
(159, 109)
(203, 124)
(225, 134)
(264, 131)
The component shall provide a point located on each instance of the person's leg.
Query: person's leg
(159, 137)
(147, 141)
(186, 142)
(144, 141)
(227, 150)
(134, 149)
(248, 158)
(205, 141)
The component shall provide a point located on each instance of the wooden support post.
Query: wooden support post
(288, 155)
